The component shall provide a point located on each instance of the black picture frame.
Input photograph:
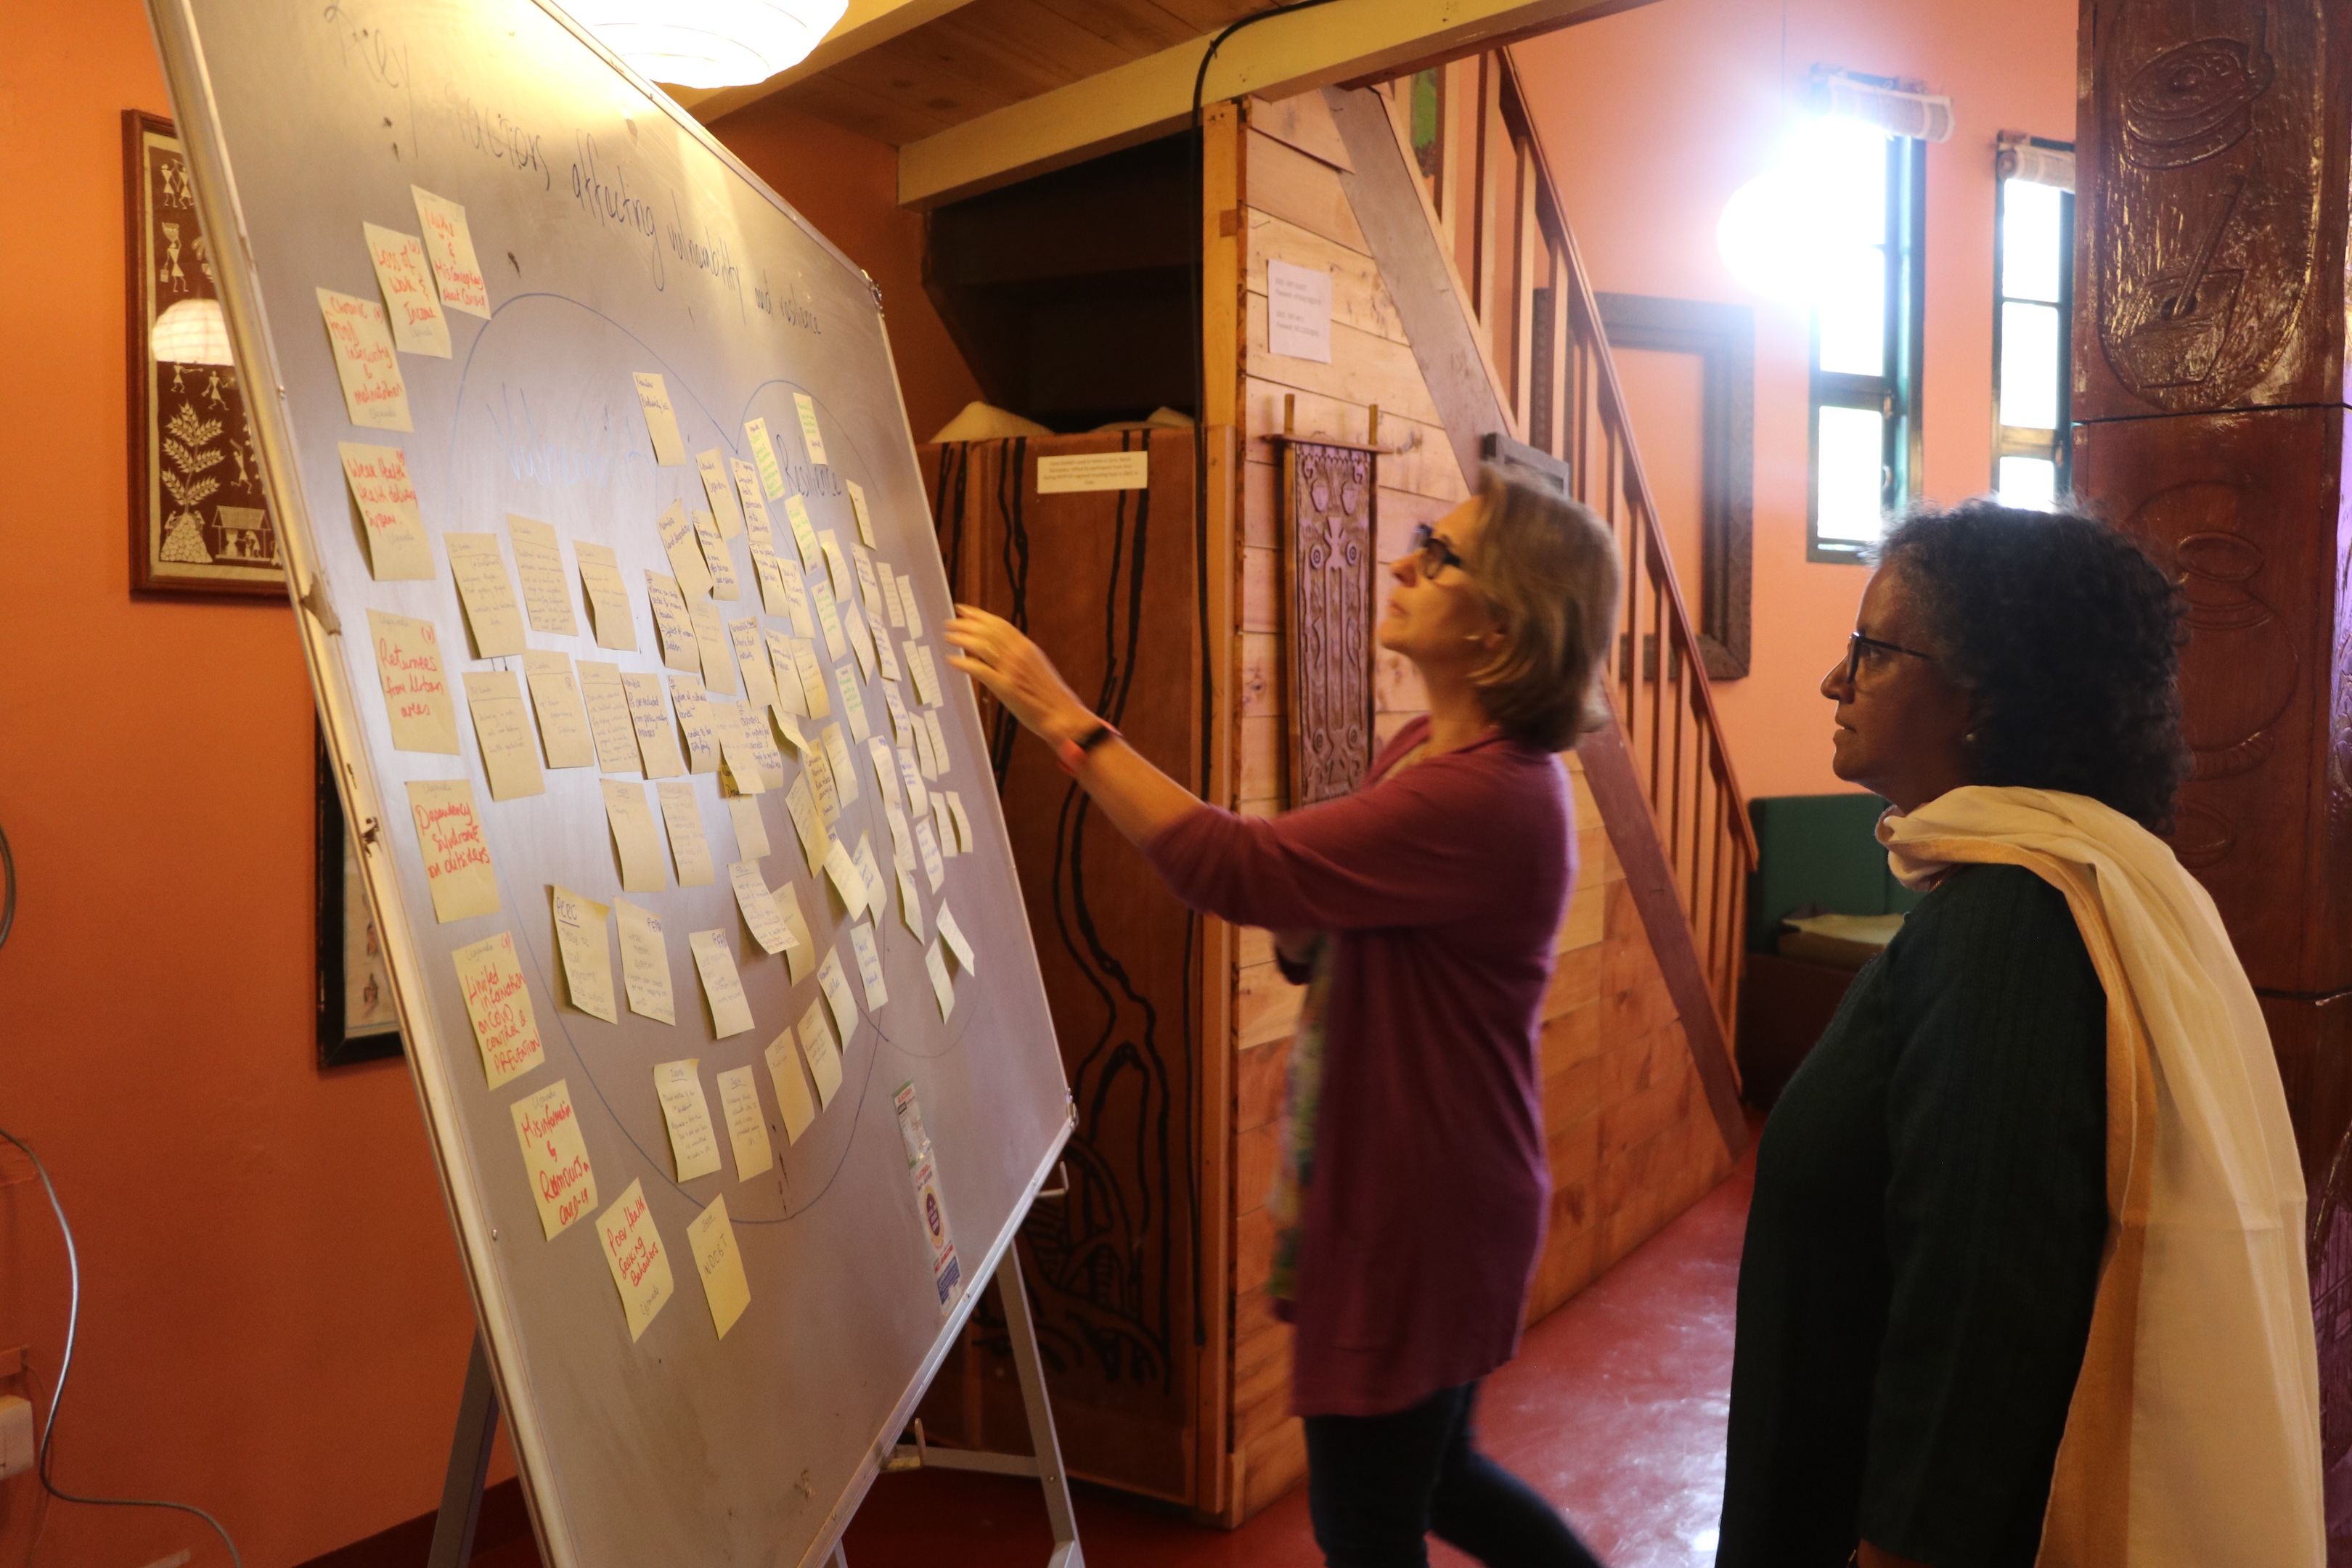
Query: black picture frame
(341, 1040)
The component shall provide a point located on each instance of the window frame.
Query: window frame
(2020, 440)
(1894, 393)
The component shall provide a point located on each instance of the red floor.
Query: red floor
(1614, 1410)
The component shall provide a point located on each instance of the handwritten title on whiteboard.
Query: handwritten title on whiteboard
(1299, 312)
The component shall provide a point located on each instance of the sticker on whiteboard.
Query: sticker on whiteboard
(449, 245)
(811, 435)
(661, 419)
(1094, 471)
(1299, 312)
(373, 395)
(412, 307)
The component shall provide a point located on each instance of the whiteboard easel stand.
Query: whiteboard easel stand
(477, 1423)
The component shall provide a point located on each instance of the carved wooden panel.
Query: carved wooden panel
(2210, 270)
(1329, 496)
(2242, 509)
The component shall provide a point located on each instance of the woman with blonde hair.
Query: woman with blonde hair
(1421, 911)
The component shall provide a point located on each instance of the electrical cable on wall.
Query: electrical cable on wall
(65, 1362)
(7, 887)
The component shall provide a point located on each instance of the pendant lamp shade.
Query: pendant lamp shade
(710, 43)
(191, 332)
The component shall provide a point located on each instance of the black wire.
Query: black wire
(7, 887)
(64, 1369)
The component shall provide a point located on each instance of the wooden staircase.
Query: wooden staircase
(1465, 223)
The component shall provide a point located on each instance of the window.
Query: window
(1868, 325)
(2034, 297)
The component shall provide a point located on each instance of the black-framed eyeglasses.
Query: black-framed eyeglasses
(1431, 554)
(1857, 642)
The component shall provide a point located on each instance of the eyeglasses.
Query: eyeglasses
(1431, 553)
(1855, 644)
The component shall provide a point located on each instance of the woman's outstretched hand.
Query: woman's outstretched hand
(994, 652)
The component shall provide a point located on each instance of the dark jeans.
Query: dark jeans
(1377, 1485)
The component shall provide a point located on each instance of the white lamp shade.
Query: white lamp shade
(191, 332)
(710, 43)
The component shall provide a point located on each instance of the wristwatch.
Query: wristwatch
(1070, 754)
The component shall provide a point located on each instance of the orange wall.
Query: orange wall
(274, 1324)
(1652, 118)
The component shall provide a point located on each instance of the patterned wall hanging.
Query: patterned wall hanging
(1330, 556)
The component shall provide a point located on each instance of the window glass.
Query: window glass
(2033, 249)
(2029, 366)
(1853, 313)
(2029, 481)
(1850, 451)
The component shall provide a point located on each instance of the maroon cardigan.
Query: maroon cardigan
(1442, 890)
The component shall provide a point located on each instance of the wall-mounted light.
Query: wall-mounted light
(710, 43)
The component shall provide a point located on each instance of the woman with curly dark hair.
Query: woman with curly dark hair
(2024, 1277)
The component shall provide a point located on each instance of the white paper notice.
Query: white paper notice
(1094, 471)
(450, 245)
(1298, 310)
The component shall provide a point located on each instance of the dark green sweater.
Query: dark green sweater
(1924, 1245)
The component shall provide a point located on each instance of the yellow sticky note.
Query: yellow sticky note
(847, 879)
(792, 1097)
(683, 820)
(957, 944)
(935, 871)
(390, 520)
(563, 729)
(415, 691)
(457, 856)
(835, 984)
(693, 1146)
(695, 723)
(449, 245)
(661, 420)
(751, 830)
(865, 518)
(719, 489)
(715, 556)
(375, 396)
(748, 495)
(712, 1241)
(503, 730)
(870, 966)
(796, 513)
(587, 953)
(714, 960)
(800, 805)
(759, 906)
(844, 766)
(800, 956)
(645, 962)
(634, 836)
(632, 1251)
(816, 702)
(649, 714)
(410, 303)
(684, 551)
(538, 562)
(828, 620)
(810, 435)
(562, 1182)
(498, 1003)
(747, 1124)
(763, 459)
(608, 595)
(608, 717)
(716, 657)
(962, 823)
(820, 1050)
(673, 623)
(487, 594)
(942, 987)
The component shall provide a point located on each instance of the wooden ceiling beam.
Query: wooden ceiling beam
(1350, 40)
(865, 24)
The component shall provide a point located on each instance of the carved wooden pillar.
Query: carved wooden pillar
(2215, 160)
(1330, 493)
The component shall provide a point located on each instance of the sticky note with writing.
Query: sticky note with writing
(562, 1182)
(563, 729)
(608, 717)
(900, 734)
(870, 966)
(906, 602)
(390, 520)
(748, 497)
(750, 828)
(770, 570)
(711, 649)
(935, 871)
(818, 770)
(711, 1240)
(910, 902)
(649, 714)
(410, 304)
(885, 769)
(796, 513)
(645, 962)
(608, 595)
(836, 566)
(828, 618)
(962, 823)
(835, 983)
(580, 923)
(892, 611)
(759, 906)
(450, 246)
(722, 987)
(957, 944)
(503, 729)
(865, 518)
(633, 836)
(800, 955)
(632, 1251)
(801, 803)
(487, 593)
(716, 556)
(791, 1086)
(943, 825)
(693, 707)
(693, 1145)
(661, 420)
(847, 879)
(884, 659)
(854, 631)
(691, 573)
(688, 846)
(538, 562)
(739, 762)
(877, 895)
(498, 1003)
(811, 435)
(719, 489)
(844, 766)
(938, 738)
(852, 703)
(942, 986)
(818, 1047)
(375, 396)
(747, 1124)
(751, 657)
(457, 856)
(816, 702)
(763, 459)
(671, 622)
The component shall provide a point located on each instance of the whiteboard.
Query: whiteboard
(614, 238)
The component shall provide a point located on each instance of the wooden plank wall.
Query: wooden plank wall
(1633, 1143)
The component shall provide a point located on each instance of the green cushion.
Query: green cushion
(1818, 850)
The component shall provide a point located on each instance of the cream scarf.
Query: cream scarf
(2193, 1436)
